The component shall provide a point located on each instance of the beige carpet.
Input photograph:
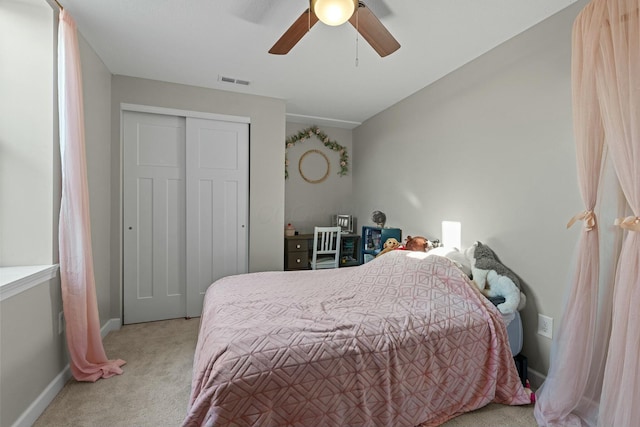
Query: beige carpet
(154, 389)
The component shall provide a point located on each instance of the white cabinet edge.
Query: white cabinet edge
(14, 280)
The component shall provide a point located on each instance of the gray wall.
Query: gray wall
(27, 134)
(32, 353)
(489, 145)
(266, 151)
(310, 204)
(96, 85)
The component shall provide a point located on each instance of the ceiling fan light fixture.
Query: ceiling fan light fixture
(334, 12)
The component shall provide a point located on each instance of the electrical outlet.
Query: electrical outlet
(545, 326)
(60, 322)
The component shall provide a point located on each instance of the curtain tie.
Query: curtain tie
(589, 218)
(629, 223)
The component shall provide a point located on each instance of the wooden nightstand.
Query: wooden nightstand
(296, 252)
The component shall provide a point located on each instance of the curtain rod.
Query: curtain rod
(59, 5)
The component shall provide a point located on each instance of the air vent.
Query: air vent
(235, 81)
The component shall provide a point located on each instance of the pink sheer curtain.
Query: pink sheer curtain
(618, 82)
(594, 368)
(88, 359)
(572, 351)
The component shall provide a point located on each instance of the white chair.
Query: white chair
(326, 248)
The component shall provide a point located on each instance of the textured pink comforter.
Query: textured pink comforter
(399, 341)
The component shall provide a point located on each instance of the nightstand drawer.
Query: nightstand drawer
(298, 260)
(294, 245)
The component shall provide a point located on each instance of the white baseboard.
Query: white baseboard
(37, 407)
(535, 378)
(111, 325)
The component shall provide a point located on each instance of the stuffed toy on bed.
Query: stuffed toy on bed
(418, 243)
(389, 245)
(494, 279)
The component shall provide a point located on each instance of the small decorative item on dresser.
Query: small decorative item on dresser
(289, 230)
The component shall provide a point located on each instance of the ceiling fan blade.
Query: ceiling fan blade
(295, 32)
(370, 27)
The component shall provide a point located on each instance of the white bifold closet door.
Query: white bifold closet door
(185, 211)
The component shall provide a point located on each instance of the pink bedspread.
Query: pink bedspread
(399, 341)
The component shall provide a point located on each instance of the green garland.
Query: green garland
(333, 145)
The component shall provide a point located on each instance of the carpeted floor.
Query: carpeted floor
(154, 389)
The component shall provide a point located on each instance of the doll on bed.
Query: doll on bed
(389, 245)
(418, 243)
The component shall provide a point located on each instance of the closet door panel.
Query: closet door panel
(217, 200)
(154, 263)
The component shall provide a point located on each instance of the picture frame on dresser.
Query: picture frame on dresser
(345, 222)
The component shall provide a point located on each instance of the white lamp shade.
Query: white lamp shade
(334, 12)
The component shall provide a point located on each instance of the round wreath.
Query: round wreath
(311, 180)
(333, 145)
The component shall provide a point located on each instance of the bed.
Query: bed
(404, 340)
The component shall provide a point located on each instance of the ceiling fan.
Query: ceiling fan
(337, 12)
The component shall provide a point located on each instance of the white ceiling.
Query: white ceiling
(195, 41)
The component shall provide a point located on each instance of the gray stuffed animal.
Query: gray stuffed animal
(494, 278)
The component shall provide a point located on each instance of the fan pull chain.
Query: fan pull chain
(357, 33)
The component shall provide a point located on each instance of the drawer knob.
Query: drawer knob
(298, 261)
(298, 246)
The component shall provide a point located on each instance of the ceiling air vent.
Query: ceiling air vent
(235, 81)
